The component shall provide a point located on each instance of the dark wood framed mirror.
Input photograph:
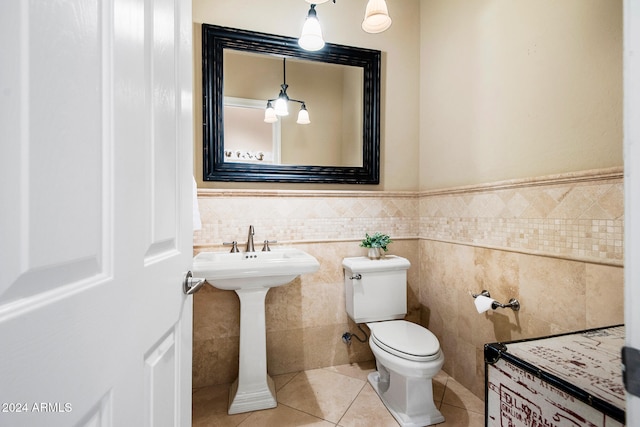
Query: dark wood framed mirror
(232, 79)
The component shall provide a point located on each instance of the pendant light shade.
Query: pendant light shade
(376, 20)
(311, 37)
(303, 116)
(281, 107)
(376, 17)
(270, 114)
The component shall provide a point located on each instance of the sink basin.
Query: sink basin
(246, 270)
(251, 275)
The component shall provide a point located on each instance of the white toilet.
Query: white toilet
(407, 355)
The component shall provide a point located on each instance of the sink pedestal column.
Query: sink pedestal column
(254, 388)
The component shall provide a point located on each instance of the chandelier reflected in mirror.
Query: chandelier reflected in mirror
(279, 106)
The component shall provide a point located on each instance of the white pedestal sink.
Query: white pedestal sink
(251, 275)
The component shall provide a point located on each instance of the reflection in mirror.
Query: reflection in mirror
(339, 86)
(332, 95)
(247, 137)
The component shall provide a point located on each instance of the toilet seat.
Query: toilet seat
(406, 340)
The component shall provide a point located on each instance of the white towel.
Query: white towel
(197, 222)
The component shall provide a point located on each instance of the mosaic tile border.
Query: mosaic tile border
(578, 216)
(304, 216)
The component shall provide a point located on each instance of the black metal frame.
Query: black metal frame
(215, 39)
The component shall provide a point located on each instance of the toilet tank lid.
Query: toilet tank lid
(386, 263)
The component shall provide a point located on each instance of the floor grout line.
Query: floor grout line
(440, 402)
(352, 402)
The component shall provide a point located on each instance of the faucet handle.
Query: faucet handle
(266, 247)
(234, 246)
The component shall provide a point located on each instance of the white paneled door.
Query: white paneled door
(95, 212)
(631, 45)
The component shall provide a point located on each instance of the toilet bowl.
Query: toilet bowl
(405, 368)
(407, 355)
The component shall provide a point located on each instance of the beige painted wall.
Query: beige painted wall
(518, 89)
(483, 91)
(341, 24)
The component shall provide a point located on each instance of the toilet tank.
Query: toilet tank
(381, 291)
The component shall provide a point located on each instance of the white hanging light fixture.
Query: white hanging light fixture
(311, 37)
(270, 113)
(376, 17)
(279, 106)
(376, 20)
(303, 116)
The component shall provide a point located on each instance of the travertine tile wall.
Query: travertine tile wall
(304, 216)
(576, 215)
(305, 319)
(553, 242)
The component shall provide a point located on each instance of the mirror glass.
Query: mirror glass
(338, 86)
(332, 95)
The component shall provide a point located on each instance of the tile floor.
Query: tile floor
(335, 396)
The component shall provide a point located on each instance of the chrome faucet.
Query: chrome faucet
(250, 247)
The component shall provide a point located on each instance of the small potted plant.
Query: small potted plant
(377, 243)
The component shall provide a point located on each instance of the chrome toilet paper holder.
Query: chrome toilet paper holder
(513, 303)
